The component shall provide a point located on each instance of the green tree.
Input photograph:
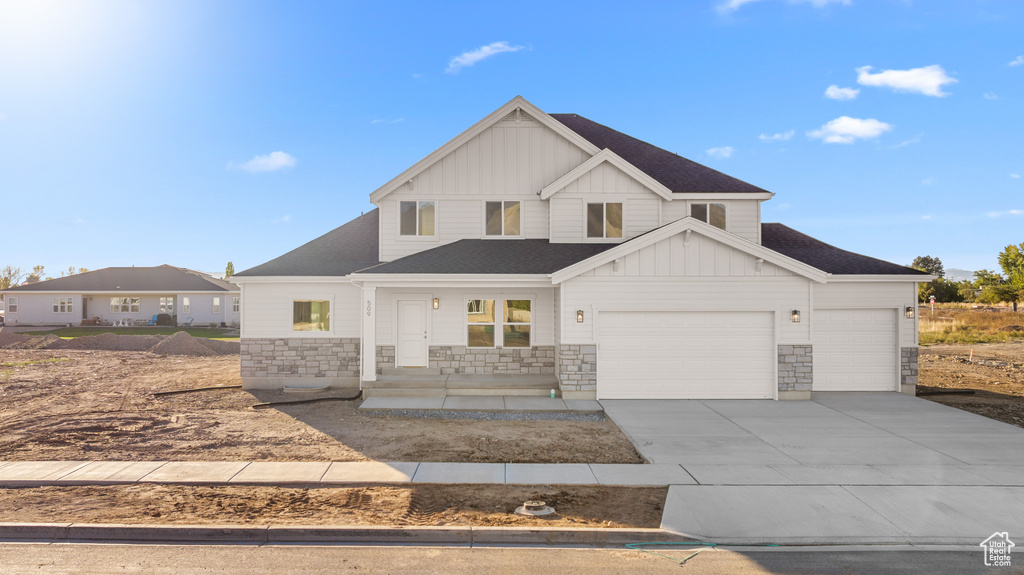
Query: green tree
(72, 270)
(1011, 260)
(930, 265)
(36, 276)
(985, 278)
(10, 276)
(229, 271)
(944, 291)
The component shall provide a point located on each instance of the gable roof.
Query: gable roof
(339, 252)
(480, 256)
(673, 171)
(599, 158)
(163, 278)
(826, 257)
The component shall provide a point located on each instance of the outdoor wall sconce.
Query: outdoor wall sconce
(795, 316)
(909, 312)
(437, 303)
(579, 316)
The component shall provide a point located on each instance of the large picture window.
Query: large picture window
(416, 218)
(502, 218)
(311, 315)
(604, 220)
(513, 323)
(124, 304)
(713, 214)
(62, 305)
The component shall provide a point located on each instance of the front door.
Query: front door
(85, 308)
(412, 334)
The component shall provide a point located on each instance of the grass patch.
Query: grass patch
(73, 332)
(952, 323)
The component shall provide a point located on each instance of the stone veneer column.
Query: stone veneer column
(385, 357)
(272, 363)
(577, 371)
(796, 371)
(908, 370)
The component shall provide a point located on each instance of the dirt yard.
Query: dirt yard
(426, 505)
(67, 404)
(995, 375)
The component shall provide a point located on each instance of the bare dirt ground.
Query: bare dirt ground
(427, 505)
(995, 374)
(67, 404)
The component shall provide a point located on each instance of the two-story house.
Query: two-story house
(540, 250)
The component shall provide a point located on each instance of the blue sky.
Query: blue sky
(198, 132)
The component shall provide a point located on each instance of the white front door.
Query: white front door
(412, 334)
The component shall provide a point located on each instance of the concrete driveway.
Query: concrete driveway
(843, 467)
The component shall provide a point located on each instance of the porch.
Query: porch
(431, 382)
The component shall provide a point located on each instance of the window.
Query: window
(167, 305)
(482, 323)
(124, 304)
(216, 305)
(236, 304)
(186, 305)
(713, 214)
(416, 218)
(62, 305)
(311, 315)
(604, 220)
(501, 218)
(12, 304)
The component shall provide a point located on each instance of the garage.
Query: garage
(686, 355)
(855, 350)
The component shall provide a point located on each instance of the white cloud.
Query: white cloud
(821, 3)
(417, 76)
(836, 93)
(928, 80)
(726, 6)
(383, 121)
(285, 219)
(270, 163)
(1018, 61)
(1015, 176)
(904, 143)
(780, 137)
(846, 130)
(990, 96)
(723, 152)
(1005, 213)
(467, 59)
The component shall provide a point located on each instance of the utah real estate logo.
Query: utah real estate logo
(997, 549)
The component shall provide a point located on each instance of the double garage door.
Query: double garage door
(855, 350)
(686, 355)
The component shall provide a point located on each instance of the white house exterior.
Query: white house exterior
(125, 295)
(541, 247)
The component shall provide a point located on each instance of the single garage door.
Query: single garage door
(854, 350)
(686, 355)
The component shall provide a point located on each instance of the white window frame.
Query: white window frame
(12, 304)
(216, 304)
(236, 304)
(418, 236)
(125, 304)
(330, 311)
(63, 304)
(503, 235)
(604, 214)
(499, 319)
(707, 209)
(167, 304)
(186, 305)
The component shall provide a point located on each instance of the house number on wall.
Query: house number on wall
(367, 308)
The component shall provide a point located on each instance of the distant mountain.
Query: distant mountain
(956, 275)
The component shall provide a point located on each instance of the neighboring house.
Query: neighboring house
(125, 295)
(539, 245)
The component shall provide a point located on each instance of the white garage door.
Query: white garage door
(686, 355)
(854, 350)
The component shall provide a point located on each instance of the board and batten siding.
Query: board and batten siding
(742, 217)
(603, 183)
(267, 308)
(873, 295)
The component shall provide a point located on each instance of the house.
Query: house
(548, 247)
(121, 296)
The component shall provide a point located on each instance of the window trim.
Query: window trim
(216, 304)
(186, 304)
(121, 304)
(312, 298)
(604, 212)
(499, 318)
(163, 307)
(417, 237)
(62, 304)
(707, 207)
(503, 235)
(11, 304)
(236, 304)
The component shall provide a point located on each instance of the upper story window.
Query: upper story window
(604, 220)
(713, 214)
(502, 219)
(416, 218)
(62, 305)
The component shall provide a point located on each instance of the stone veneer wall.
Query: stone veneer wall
(577, 367)
(908, 365)
(537, 360)
(796, 365)
(385, 357)
(300, 357)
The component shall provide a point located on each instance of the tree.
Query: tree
(36, 276)
(229, 271)
(72, 271)
(985, 278)
(944, 291)
(10, 276)
(1011, 260)
(930, 265)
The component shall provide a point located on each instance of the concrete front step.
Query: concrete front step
(416, 384)
(411, 371)
(463, 391)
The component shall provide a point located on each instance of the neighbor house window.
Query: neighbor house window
(12, 304)
(216, 305)
(236, 304)
(516, 320)
(62, 305)
(501, 218)
(416, 218)
(167, 305)
(124, 304)
(604, 220)
(311, 315)
(713, 214)
(480, 320)
(186, 305)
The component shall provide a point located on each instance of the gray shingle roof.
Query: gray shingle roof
(339, 252)
(163, 278)
(492, 257)
(671, 170)
(825, 257)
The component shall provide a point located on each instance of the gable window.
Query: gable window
(311, 315)
(416, 218)
(124, 304)
(167, 305)
(236, 303)
(480, 317)
(186, 305)
(516, 319)
(502, 218)
(12, 304)
(713, 214)
(604, 220)
(62, 305)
